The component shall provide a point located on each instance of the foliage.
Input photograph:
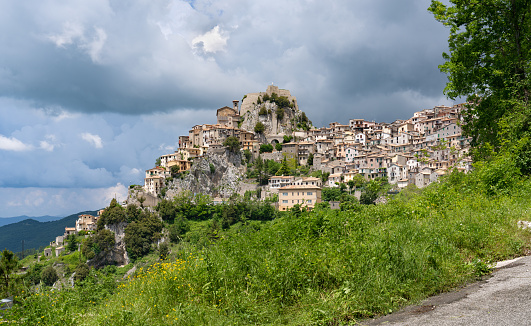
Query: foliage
(280, 113)
(49, 275)
(212, 168)
(178, 229)
(9, 264)
(287, 139)
(324, 267)
(233, 144)
(82, 271)
(259, 127)
(310, 159)
(164, 250)
(263, 111)
(33, 274)
(284, 168)
(100, 243)
(112, 215)
(488, 62)
(278, 147)
(266, 148)
(72, 243)
(303, 122)
(139, 236)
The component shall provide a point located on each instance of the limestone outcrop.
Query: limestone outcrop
(218, 174)
(278, 120)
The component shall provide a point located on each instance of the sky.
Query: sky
(92, 92)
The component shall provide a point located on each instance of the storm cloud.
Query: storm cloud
(91, 92)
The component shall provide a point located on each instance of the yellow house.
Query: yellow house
(304, 195)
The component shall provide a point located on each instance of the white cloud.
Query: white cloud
(13, 144)
(94, 140)
(46, 146)
(71, 31)
(212, 41)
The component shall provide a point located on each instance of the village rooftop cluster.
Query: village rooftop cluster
(413, 151)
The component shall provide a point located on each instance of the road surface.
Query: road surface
(504, 298)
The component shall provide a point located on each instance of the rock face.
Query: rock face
(215, 174)
(253, 104)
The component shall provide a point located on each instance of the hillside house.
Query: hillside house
(306, 196)
(86, 222)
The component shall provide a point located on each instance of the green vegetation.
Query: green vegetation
(9, 264)
(263, 110)
(488, 62)
(259, 127)
(233, 144)
(266, 148)
(280, 101)
(320, 267)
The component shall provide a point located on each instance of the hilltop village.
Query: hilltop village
(269, 126)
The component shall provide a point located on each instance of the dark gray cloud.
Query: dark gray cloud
(92, 92)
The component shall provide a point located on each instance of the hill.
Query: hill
(11, 220)
(34, 233)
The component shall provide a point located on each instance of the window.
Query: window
(310, 193)
(284, 202)
(284, 194)
(309, 201)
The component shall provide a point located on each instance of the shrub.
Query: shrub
(266, 148)
(82, 271)
(49, 275)
(259, 127)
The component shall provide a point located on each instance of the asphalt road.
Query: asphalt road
(504, 298)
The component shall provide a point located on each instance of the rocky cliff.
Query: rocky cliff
(216, 174)
(275, 108)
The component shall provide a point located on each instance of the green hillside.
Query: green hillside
(35, 234)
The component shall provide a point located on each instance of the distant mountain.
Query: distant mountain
(34, 233)
(10, 220)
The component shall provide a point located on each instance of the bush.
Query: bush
(233, 144)
(178, 229)
(164, 250)
(259, 127)
(49, 275)
(82, 271)
(140, 235)
(266, 148)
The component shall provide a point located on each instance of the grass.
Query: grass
(319, 268)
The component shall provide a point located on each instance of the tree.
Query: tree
(72, 243)
(488, 62)
(310, 159)
(278, 146)
(157, 161)
(139, 236)
(259, 127)
(101, 241)
(9, 264)
(266, 148)
(233, 143)
(284, 168)
(49, 275)
(179, 228)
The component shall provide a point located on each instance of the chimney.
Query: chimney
(235, 106)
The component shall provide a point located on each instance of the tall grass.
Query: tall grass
(319, 268)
